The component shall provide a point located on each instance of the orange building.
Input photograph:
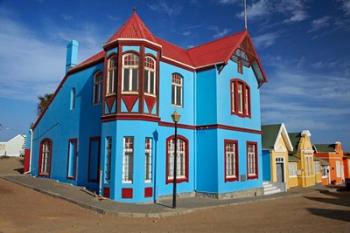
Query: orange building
(346, 162)
(334, 154)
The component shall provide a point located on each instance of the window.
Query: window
(292, 169)
(97, 88)
(239, 66)
(150, 76)
(181, 159)
(108, 157)
(94, 159)
(231, 160)
(72, 99)
(72, 158)
(308, 165)
(128, 154)
(176, 90)
(112, 74)
(252, 160)
(240, 98)
(148, 160)
(317, 167)
(324, 171)
(130, 73)
(337, 168)
(45, 157)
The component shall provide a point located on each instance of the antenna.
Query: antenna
(245, 15)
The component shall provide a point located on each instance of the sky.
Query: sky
(303, 45)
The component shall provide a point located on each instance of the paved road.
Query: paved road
(24, 210)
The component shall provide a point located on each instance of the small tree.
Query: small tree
(44, 102)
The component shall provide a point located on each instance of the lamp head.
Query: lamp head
(175, 116)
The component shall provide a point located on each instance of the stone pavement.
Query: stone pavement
(185, 205)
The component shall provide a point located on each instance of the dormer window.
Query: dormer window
(130, 80)
(150, 76)
(240, 98)
(112, 75)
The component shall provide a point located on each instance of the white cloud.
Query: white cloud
(219, 32)
(265, 40)
(257, 9)
(346, 7)
(66, 17)
(30, 65)
(320, 23)
(164, 7)
(228, 2)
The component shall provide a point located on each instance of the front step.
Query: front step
(270, 188)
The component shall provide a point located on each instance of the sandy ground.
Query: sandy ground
(25, 210)
(11, 165)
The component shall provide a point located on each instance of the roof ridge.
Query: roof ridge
(215, 41)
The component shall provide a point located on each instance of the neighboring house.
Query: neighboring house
(276, 147)
(346, 162)
(13, 147)
(301, 160)
(333, 154)
(109, 126)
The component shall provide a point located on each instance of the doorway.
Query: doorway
(280, 170)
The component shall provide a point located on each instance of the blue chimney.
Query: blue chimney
(72, 54)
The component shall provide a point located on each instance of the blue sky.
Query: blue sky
(303, 44)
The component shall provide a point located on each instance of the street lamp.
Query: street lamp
(176, 118)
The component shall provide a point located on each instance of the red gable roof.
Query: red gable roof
(134, 28)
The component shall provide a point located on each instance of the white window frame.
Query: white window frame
(148, 160)
(45, 158)
(230, 160)
(293, 169)
(128, 160)
(180, 160)
(252, 160)
(174, 86)
(130, 68)
(97, 88)
(112, 73)
(240, 98)
(149, 71)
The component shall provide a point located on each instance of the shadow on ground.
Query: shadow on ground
(334, 198)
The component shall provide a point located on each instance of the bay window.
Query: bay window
(130, 78)
(128, 154)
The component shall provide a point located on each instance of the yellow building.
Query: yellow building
(301, 161)
(276, 147)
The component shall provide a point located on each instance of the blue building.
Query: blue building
(109, 126)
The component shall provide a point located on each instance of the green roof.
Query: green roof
(295, 139)
(292, 158)
(325, 147)
(270, 133)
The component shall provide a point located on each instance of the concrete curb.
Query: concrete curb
(167, 213)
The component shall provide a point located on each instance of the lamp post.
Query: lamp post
(176, 118)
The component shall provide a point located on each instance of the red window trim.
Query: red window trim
(245, 87)
(178, 180)
(235, 142)
(256, 176)
(98, 139)
(41, 154)
(76, 159)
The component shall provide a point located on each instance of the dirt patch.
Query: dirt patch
(11, 165)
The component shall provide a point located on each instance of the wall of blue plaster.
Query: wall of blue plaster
(266, 165)
(60, 124)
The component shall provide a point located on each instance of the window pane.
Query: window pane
(152, 81)
(233, 97)
(178, 96)
(135, 79)
(126, 80)
(172, 94)
(146, 87)
(240, 98)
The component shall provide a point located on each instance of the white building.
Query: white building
(13, 147)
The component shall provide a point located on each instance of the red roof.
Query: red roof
(134, 28)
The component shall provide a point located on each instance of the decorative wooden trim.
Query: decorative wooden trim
(49, 141)
(235, 142)
(130, 116)
(256, 160)
(91, 139)
(178, 180)
(73, 140)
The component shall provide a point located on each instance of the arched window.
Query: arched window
(130, 80)
(150, 76)
(97, 88)
(181, 159)
(176, 90)
(112, 74)
(240, 98)
(45, 157)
